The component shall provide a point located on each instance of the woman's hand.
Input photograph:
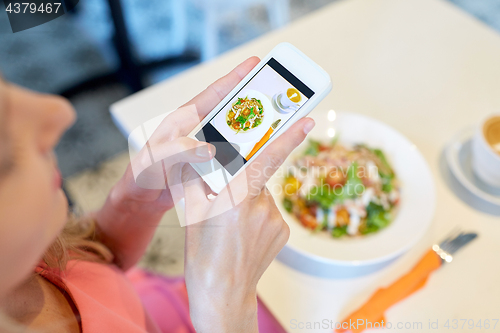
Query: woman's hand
(226, 255)
(134, 207)
(145, 179)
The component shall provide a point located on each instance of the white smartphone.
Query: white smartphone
(284, 87)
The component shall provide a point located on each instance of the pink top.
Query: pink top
(104, 296)
(110, 301)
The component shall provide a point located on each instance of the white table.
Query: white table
(423, 67)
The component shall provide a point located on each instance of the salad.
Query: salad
(246, 113)
(345, 191)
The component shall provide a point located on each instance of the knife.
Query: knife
(373, 310)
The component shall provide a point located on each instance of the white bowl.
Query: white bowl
(321, 254)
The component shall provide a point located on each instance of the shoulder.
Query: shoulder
(40, 305)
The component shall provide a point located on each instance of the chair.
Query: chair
(131, 70)
(214, 10)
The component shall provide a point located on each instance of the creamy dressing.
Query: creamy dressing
(354, 220)
(331, 218)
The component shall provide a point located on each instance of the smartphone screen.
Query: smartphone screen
(254, 115)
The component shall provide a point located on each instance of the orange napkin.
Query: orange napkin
(373, 310)
(259, 144)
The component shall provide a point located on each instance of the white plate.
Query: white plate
(416, 209)
(252, 135)
(458, 155)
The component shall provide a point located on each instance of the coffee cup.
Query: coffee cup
(290, 99)
(486, 151)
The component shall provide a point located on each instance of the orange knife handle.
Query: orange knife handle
(259, 144)
(373, 310)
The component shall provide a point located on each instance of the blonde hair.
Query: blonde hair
(78, 240)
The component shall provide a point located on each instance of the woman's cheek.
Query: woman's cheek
(31, 215)
(56, 209)
(60, 214)
(47, 204)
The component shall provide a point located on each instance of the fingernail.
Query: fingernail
(211, 149)
(309, 126)
(205, 151)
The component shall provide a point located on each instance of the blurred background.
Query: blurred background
(105, 50)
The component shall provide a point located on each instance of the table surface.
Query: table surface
(427, 69)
